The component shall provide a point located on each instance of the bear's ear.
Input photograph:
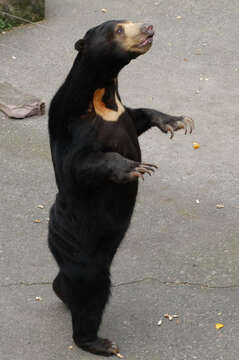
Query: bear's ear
(79, 45)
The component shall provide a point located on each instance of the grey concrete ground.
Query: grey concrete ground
(180, 256)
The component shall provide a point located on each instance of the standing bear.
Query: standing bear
(97, 162)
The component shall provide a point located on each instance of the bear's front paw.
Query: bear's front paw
(142, 169)
(174, 123)
(132, 171)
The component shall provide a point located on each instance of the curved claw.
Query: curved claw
(150, 165)
(169, 128)
(189, 123)
(137, 174)
(114, 348)
(143, 170)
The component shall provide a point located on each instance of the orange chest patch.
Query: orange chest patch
(102, 110)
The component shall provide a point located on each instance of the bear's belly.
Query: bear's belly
(120, 137)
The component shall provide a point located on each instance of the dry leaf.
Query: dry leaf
(159, 322)
(70, 347)
(167, 316)
(40, 206)
(103, 10)
(219, 206)
(219, 326)
(38, 298)
(198, 201)
(37, 221)
(196, 145)
(179, 17)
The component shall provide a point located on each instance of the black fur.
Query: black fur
(95, 163)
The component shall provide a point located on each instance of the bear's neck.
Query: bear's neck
(76, 95)
(106, 102)
(82, 82)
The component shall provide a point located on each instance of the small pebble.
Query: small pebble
(103, 10)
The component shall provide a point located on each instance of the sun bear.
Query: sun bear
(97, 163)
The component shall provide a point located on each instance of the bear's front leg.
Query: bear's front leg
(144, 119)
(97, 167)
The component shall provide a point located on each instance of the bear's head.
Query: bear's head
(115, 43)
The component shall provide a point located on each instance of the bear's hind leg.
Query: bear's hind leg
(60, 288)
(88, 293)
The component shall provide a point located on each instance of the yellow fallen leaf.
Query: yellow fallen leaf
(219, 326)
(196, 145)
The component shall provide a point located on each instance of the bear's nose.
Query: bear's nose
(147, 29)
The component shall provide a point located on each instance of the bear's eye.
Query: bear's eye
(119, 30)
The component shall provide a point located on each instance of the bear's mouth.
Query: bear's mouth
(147, 41)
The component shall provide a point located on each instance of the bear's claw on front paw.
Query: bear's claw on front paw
(184, 123)
(188, 123)
(142, 169)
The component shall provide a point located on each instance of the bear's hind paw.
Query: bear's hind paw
(102, 347)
